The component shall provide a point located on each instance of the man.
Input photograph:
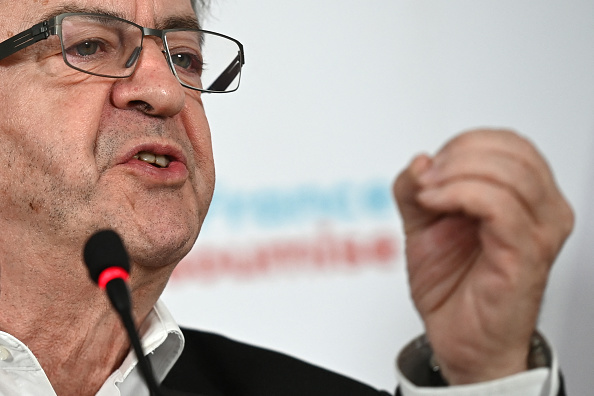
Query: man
(98, 132)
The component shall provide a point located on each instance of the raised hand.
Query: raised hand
(484, 221)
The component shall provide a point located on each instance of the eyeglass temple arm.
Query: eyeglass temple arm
(38, 32)
(227, 76)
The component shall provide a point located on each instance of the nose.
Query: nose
(152, 88)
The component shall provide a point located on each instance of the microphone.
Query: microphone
(109, 267)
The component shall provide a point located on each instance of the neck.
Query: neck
(45, 308)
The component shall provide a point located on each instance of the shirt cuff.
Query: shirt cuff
(416, 377)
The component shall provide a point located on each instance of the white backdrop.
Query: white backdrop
(302, 249)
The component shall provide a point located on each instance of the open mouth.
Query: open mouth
(157, 160)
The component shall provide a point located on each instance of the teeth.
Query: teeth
(155, 159)
(162, 161)
(147, 157)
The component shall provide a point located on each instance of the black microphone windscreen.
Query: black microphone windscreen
(105, 249)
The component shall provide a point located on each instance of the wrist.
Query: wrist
(416, 362)
(486, 368)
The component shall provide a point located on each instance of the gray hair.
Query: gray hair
(200, 8)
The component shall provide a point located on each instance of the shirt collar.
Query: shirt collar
(162, 341)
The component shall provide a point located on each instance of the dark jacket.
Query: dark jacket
(213, 365)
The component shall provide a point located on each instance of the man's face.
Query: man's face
(68, 141)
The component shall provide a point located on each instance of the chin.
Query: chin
(158, 229)
(160, 254)
(160, 243)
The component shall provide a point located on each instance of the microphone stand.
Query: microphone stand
(108, 264)
(119, 295)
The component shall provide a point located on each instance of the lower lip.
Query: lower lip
(174, 174)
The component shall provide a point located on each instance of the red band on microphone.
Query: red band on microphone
(111, 273)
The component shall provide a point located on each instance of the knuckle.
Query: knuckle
(569, 216)
(546, 245)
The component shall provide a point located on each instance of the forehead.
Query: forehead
(148, 13)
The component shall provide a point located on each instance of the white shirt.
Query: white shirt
(536, 382)
(162, 340)
(21, 374)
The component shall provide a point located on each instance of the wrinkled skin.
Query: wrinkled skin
(67, 141)
(484, 221)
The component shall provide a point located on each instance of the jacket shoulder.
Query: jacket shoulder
(215, 365)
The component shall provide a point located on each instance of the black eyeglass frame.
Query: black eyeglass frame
(53, 26)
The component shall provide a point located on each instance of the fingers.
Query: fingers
(495, 176)
(501, 158)
(506, 225)
(405, 190)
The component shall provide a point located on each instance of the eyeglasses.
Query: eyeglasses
(107, 46)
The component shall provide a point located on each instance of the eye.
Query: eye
(190, 63)
(87, 48)
(182, 60)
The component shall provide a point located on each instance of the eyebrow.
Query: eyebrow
(172, 22)
(179, 22)
(74, 8)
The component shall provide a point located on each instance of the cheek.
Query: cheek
(198, 130)
(43, 106)
(47, 135)
(43, 182)
(196, 123)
